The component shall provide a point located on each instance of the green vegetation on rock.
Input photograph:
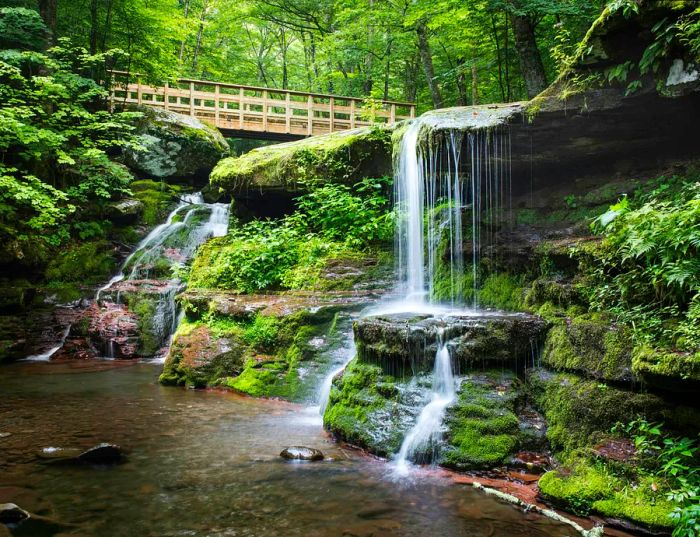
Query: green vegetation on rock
(340, 158)
(335, 240)
(483, 429)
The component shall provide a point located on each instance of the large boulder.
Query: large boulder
(175, 146)
(265, 179)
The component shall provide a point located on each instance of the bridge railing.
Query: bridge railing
(249, 108)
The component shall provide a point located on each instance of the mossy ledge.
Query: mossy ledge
(343, 157)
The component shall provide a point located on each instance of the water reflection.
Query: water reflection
(207, 464)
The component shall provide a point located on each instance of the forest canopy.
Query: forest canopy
(436, 53)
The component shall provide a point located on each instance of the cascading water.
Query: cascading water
(446, 178)
(426, 433)
(170, 244)
(452, 182)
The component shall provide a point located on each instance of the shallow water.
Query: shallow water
(207, 464)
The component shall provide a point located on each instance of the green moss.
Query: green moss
(482, 425)
(593, 487)
(82, 263)
(663, 364)
(157, 198)
(339, 157)
(579, 412)
(503, 291)
(579, 490)
(591, 345)
(361, 409)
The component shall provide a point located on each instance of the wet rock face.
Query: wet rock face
(406, 343)
(200, 357)
(176, 146)
(301, 453)
(114, 331)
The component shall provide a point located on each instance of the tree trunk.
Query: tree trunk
(184, 38)
(461, 82)
(93, 26)
(47, 9)
(531, 65)
(475, 86)
(108, 25)
(200, 31)
(427, 60)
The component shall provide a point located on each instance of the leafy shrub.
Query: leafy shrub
(331, 221)
(675, 461)
(647, 270)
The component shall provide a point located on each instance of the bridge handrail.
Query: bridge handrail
(137, 76)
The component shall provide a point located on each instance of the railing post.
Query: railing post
(392, 114)
(310, 118)
(112, 96)
(138, 91)
(331, 109)
(413, 110)
(264, 97)
(288, 114)
(240, 108)
(216, 105)
(352, 113)
(192, 98)
(166, 104)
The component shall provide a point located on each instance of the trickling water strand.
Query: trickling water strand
(325, 390)
(426, 433)
(46, 356)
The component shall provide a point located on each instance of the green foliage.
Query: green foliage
(54, 144)
(647, 269)
(676, 461)
(21, 28)
(332, 221)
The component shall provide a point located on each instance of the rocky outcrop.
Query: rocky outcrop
(264, 179)
(407, 343)
(174, 146)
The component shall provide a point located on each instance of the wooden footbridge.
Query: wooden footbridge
(252, 112)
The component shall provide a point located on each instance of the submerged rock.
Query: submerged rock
(176, 146)
(302, 453)
(11, 513)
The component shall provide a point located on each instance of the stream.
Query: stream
(202, 463)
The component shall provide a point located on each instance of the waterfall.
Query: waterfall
(452, 187)
(426, 433)
(447, 178)
(325, 390)
(168, 245)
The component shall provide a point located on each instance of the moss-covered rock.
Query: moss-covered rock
(343, 157)
(157, 198)
(174, 145)
(82, 262)
(370, 409)
(403, 344)
(482, 426)
(592, 487)
(665, 369)
(580, 412)
(198, 357)
(591, 345)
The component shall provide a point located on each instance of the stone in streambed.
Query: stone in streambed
(11, 513)
(301, 453)
(102, 454)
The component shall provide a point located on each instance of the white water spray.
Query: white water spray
(46, 356)
(426, 434)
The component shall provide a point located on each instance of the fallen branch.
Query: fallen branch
(596, 531)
